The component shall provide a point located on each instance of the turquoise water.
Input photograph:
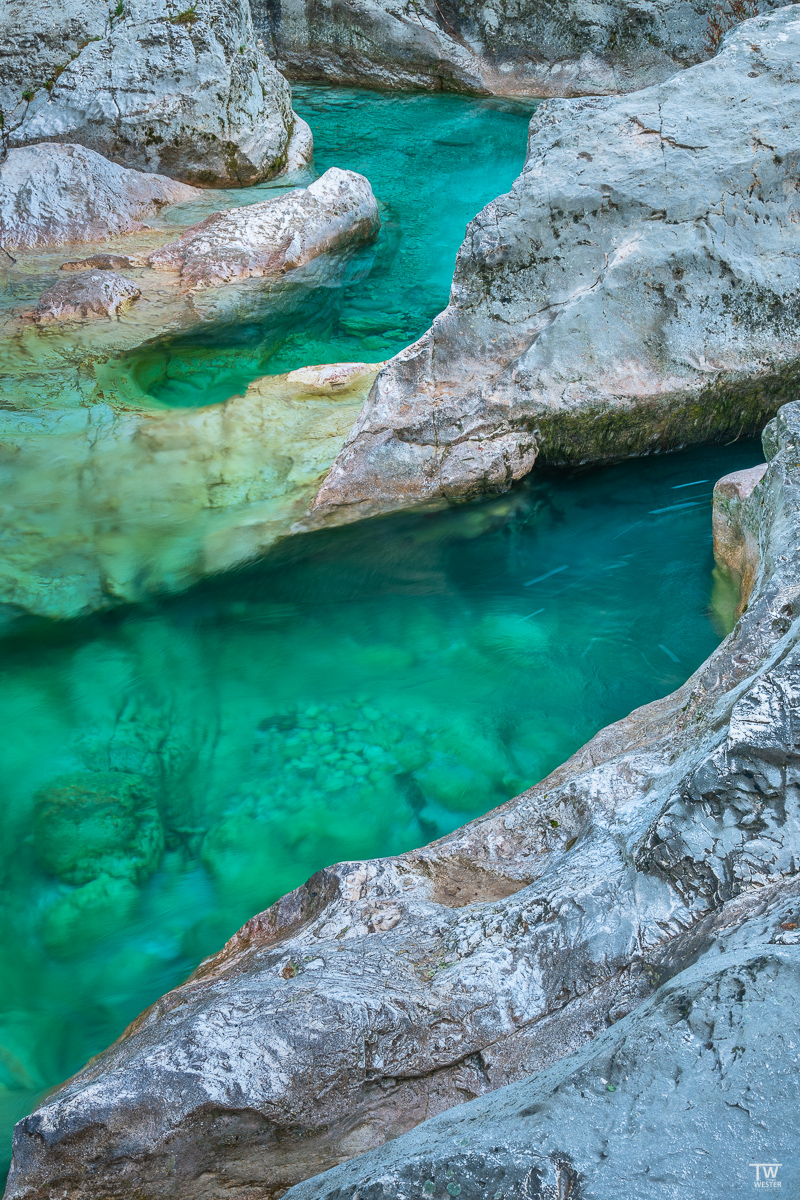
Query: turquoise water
(433, 161)
(169, 771)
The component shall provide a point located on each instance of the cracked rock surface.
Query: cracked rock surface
(156, 85)
(382, 993)
(637, 289)
(52, 193)
(533, 47)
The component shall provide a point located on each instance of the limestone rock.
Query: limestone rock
(532, 47)
(274, 236)
(87, 293)
(684, 1094)
(39, 38)
(382, 993)
(101, 262)
(637, 289)
(51, 194)
(183, 91)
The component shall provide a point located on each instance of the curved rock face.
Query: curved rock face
(278, 235)
(382, 993)
(183, 91)
(533, 47)
(51, 194)
(638, 289)
(686, 1094)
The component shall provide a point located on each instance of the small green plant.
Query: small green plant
(28, 95)
(187, 17)
(242, 49)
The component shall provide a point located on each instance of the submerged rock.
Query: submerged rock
(186, 92)
(336, 211)
(87, 293)
(637, 289)
(97, 823)
(145, 499)
(532, 47)
(382, 993)
(51, 194)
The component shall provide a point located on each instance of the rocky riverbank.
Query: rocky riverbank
(635, 291)
(529, 48)
(383, 993)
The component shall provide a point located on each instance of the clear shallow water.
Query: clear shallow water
(433, 161)
(168, 772)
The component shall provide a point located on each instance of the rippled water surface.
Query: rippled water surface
(168, 771)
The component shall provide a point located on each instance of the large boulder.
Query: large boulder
(685, 1095)
(382, 993)
(51, 194)
(183, 91)
(274, 236)
(637, 289)
(533, 47)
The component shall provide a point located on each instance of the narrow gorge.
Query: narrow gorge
(398, 600)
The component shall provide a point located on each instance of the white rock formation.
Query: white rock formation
(87, 293)
(274, 236)
(638, 289)
(51, 194)
(183, 91)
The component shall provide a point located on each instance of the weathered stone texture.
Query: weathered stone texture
(274, 236)
(51, 194)
(638, 289)
(382, 993)
(187, 92)
(87, 294)
(531, 47)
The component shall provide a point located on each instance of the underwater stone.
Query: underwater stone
(187, 93)
(87, 293)
(53, 193)
(492, 954)
(605, 307)
(276, 235)
(97, 823)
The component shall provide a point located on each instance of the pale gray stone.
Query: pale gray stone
(185, 91)
(638, 289)
(382, 993)
(87, 294)
(51, 194)
(277, 235)
(531, 47)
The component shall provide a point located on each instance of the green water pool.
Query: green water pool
(433, 161)
(170, 770)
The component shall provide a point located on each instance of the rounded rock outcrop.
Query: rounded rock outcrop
(52, 193)
(187, 92)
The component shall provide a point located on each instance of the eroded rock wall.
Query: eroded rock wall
(636, 290)
(382, 993)
(184, 91)
(570, 48)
